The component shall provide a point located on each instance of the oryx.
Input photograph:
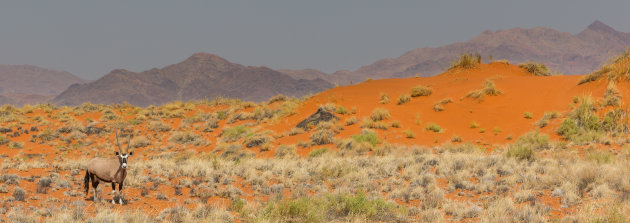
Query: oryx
(110, 170)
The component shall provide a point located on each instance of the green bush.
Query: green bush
(317, 152)
(582, 124)
(366, 136)
(529, 115)
(235, 133)
(433, 127)
(330, 207)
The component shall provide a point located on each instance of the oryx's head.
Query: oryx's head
(123, 155)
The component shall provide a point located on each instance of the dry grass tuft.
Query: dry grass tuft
(488, 89)
(536, 69)
(466, 61)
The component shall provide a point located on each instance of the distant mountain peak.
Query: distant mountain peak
(206, 56)
(600, 26)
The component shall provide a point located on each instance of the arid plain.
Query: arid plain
(482, 141)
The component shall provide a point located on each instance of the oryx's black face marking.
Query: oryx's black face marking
(123, 158)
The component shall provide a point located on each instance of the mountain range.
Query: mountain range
(204, 75)
(28, 84)
(201, 76)
(562, 52)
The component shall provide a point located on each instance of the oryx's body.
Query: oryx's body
(108, 170)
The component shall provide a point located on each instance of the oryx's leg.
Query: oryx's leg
(113, 193)
(120, 186)
(95, 182)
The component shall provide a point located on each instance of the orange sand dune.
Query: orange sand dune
(522, 92)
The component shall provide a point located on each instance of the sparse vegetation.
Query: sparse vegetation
(439, 106)
(466, 61)
(409, 134)
(488, 89)
(420, 90)
(583, 125)
(617, 69)
(528, 115)
(536, 69)
(403, 99)
(384, 98)
(380, 114)
(433, 127)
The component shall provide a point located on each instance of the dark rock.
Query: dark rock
(91, 130)
(320, 115)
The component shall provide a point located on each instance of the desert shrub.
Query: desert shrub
(612, 97)
(600, 157)
(379, 114)
(466, 61)
(528, 115)
(16, 145)
(109, 115)
(235, 133)
(341, 110)
(474, 125)
(367, 136)
(322, 137)
(330, 207)
(617, 69)
(537, 69)
(544, 121)
(43, 184)
(19, 194)
(488, 89)
(527, 144)
(351, 121)
(140, 141)
(256, 140)
(456, 138)
(369, 123)
(277, 98)
(211, 123)
(285, 151)
(384, 98)
(187, 138)
(583, 125)
(496, 130)
(316, 152)
(403, 99)
(366, 141)
(439, 106)
(420, 90)
(295, 131)
(4, 140)
(47, 135)
(433, 127)
(520, 152)
(409, 134)
(395, 124)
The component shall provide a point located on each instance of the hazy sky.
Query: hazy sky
(91, 38)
